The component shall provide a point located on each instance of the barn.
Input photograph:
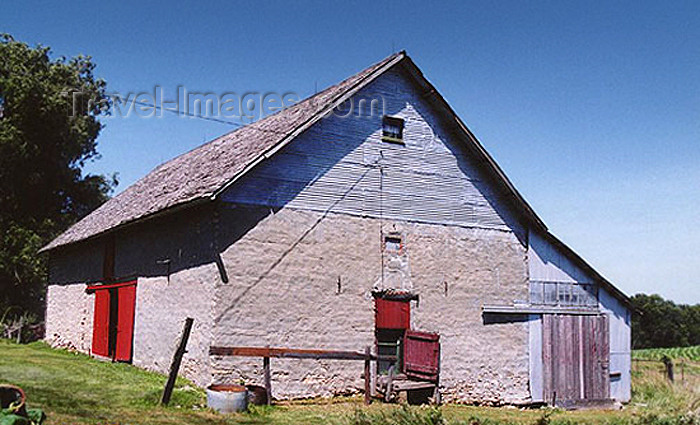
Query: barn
(367, 215)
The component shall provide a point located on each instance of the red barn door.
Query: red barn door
(100, 326)
(422, 355)
(125, 322)
(392, 314)
(113, 325)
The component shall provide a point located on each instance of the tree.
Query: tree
(663, 323)
(49, 111)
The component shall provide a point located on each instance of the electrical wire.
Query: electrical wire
(249, 126)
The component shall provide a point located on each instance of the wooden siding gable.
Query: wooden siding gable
(341, 165)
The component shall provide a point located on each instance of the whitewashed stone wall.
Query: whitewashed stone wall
(69, 309)
(69, 315)
(283, 291)
(162, 305)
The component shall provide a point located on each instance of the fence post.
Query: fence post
(668, 363)
(368, 400)
(268, 379)
(19, 330)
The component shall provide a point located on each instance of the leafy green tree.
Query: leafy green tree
(663, 323)
(49, 111)
(691, 317)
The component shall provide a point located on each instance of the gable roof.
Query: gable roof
(203, 173)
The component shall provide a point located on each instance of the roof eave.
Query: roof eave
(167, 211)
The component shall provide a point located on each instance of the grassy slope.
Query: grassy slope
(75, 389)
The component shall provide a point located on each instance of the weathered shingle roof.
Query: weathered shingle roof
(202, 172)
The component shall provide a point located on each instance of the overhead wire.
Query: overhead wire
(249, 126)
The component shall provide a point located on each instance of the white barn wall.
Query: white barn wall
(162, 305)
(173, 260)
(535, 357)
(69, 308)
(547, 263)
(286, 297)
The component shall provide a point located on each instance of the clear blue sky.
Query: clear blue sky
(592, 109)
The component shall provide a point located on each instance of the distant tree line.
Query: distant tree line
(663, 323)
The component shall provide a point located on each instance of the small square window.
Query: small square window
(392, 243)
(392, 129)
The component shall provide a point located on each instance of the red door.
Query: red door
(392, 314)
(113, 326)
(422, 355)
(100, 326)
(125, 322)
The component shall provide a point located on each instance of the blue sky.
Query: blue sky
(591, 108)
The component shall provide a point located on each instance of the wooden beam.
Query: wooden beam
(536, 309)
(295, 353)
(177, 359)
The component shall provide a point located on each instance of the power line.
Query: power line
(218, 120)
(189, 114)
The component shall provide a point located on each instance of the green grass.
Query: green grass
(651, 389)
(687, 353)
(76, 389)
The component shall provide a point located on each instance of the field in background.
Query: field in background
(76, 389)
(650, 385)
(687, 353)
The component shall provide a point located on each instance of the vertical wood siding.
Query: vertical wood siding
(341, 165)
(620, 345)
(536, 358)
(546, 263)
(576, 357)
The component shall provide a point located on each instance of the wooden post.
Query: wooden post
(368, 398)
(389, 384)
(177, 359)
(668, 363)
(437, 397)
(268, 379)
(19, 330)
